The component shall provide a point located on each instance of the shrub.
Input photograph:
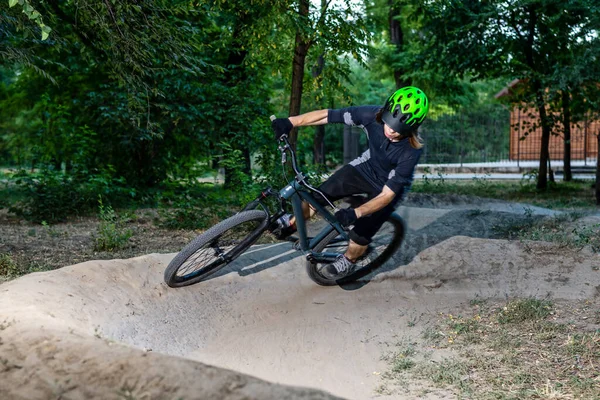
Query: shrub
(52, 196)
(111, 234)
(8, 267)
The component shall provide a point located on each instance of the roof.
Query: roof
(506, 91)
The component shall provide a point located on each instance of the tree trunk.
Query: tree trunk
(319, 145)
(319, 138)
(567, 136)
(542, 182)
(397, 39)
(234, 77)
(598, 171)
(300, 51)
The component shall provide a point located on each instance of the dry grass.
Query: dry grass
(523, 349)
(26, 247)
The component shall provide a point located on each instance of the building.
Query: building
(584, 135)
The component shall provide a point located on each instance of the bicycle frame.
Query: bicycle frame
(297, 191)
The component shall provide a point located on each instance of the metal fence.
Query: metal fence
(525, 139)
(492, 137)
(463, 138)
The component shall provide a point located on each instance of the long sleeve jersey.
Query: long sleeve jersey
(385, 163)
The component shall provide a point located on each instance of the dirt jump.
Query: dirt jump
(261, 329)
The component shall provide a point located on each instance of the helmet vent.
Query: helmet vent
(418, 111)
(395, 113)
(418, 101)
(406, 107)
(404, 118)
(418, 92)
(409, 95)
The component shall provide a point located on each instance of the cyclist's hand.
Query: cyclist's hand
(346, 216)
(281, 126)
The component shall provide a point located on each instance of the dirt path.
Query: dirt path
(113, 328)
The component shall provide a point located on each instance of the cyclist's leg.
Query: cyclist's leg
(364, 230)
(355, 250)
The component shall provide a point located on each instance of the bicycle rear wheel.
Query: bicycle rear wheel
(385, 243)
(215, 248)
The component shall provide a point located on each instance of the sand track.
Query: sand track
(104, 328)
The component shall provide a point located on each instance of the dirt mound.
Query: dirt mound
(45, 364)
(111, 329)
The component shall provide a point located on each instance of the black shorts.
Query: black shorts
(348, 181)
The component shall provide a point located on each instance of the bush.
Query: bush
(52, 196)
(188, 206)
(8, 267)
(111, 234)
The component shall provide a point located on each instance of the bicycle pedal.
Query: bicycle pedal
(322, 259)
(296, 244)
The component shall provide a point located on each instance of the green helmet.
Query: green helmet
(405, 110)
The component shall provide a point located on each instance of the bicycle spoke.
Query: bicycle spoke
(216, 251)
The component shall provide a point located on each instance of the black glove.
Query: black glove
(346, 216)
(281, 126)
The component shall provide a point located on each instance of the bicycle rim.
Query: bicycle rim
(215, 248)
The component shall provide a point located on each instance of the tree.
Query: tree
(515, 38)
(332, 31)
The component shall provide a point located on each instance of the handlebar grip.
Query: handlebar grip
(272, 118)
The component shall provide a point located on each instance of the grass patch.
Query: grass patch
(558, 195)
(521, 353)
(401, 359)
(524, 310)
(446, 372)
(11, 267)
(554, 229)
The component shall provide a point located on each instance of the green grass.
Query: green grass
(524, 310)
(559, 195)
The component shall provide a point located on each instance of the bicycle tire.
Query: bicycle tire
(394, 227)
(186, 269)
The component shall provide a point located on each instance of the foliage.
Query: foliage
(52, 196)
(169, 89)
(8, 267)
(199, 206)
(33, 15)
(536, 41)
(111, 234)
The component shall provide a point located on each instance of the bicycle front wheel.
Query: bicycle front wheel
(215, 248)
(385, 243)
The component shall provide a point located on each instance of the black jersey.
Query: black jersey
(385, 163)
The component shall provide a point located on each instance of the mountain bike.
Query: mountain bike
(226, 241)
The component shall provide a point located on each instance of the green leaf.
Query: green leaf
(45, 32)
(12, 3)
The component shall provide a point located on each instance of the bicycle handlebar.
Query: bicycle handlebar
(300, 178)
(287, 147)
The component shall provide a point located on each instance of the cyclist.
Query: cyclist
(384, 172)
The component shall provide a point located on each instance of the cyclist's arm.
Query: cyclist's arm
(318, 117)
(377, 203)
